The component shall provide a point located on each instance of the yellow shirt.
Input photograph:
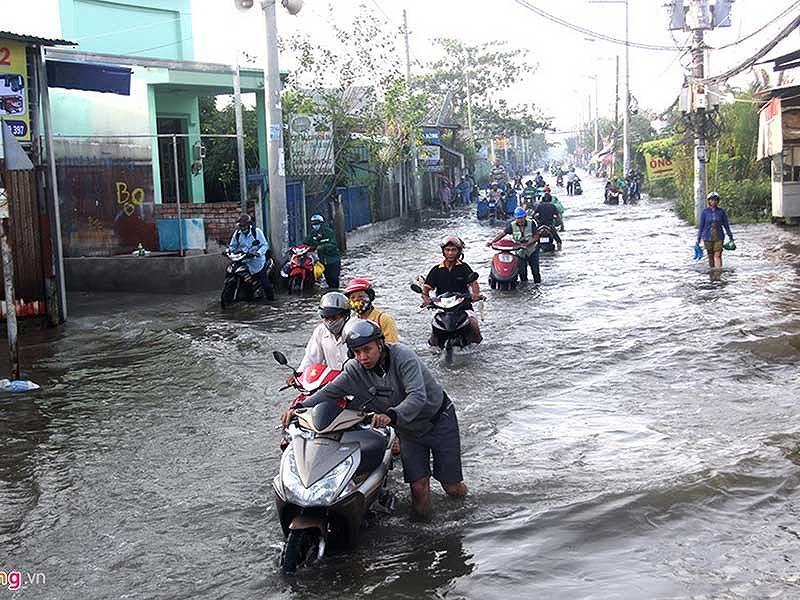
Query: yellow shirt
(386, 322)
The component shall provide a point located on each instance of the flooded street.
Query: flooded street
(629, 428)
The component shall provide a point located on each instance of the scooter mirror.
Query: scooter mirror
(416, 288)
(280, 358)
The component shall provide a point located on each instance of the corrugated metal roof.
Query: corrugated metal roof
(34, 40)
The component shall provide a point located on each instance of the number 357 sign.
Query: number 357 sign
(14, 89)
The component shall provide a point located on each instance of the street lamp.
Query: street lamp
(278, 223)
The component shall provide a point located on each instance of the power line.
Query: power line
(585, 31)
(753, 59)
(135, 28)
(772, 21)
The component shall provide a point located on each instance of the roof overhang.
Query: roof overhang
(35, 40)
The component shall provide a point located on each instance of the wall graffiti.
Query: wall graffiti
(129, 199)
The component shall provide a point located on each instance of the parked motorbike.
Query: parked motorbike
(577, 189)
(546, 238)
(504, 272)
(333, 472)
(299, 271)
(239, 284)
(450, 326)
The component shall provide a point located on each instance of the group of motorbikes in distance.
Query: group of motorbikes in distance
(627, 189)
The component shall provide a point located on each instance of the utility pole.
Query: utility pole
(616, 117)
(415, 196)
(626, 115)
(596, 117)
(278, 223)
(469, 94)
(699, 118)
(697, 18)
(237, 105)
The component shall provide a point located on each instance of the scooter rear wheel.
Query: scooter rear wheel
(299, 547)
(295, 285)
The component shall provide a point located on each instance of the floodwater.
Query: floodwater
(630, 430)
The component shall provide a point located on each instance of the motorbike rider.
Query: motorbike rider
(464, 189)
(545, 214)
(361, 296)
(571, 177)
(529, 194)
(452, 275)
(560, 207)
(418, 408)
(523, 231)
(326, 345)
(250, 239)
(539, 180)
(323, 241)
(498, 172)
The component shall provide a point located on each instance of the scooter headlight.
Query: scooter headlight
(321, 492)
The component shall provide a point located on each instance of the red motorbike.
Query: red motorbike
(313, 378)
(504, 272)
(299, 269)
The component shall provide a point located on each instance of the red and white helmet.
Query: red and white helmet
(360, 284)
(317, 375)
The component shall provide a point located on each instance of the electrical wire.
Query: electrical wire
(595, 34)
(753, 59)
(135, 28)
(772, 21)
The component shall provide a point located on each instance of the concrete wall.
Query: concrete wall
(152, 28)
(154, 274)
(219, 218)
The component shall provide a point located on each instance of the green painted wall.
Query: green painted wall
(152, 28)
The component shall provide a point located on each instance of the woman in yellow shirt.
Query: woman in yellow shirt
(361, 295)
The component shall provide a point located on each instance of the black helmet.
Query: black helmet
(360, 332)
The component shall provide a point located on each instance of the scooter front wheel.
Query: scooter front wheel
(228, 294)
(448, 352)
(301, 545)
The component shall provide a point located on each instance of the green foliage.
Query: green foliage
(220, 166)
(357, 78)
(732, 169)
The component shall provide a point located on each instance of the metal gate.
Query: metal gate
(26, 242)
(355, 202)
(295, 211)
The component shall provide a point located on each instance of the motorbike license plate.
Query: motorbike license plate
(544, 240)
(506, 258)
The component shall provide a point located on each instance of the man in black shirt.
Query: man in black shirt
(453, 275)
(545, 213)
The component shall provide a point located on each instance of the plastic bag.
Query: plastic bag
(18, 385)
(729, 245)
(698, 252)
(319, 270)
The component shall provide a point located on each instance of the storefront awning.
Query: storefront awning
(92, 77)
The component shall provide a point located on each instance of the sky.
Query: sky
(561, 85)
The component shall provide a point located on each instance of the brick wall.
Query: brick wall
(219, 218)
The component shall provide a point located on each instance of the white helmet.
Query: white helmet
(333, 304)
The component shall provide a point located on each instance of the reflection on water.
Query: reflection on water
(629, 431)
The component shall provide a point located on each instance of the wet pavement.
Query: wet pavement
(629, 428)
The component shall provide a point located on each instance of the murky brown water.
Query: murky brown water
(630, 430)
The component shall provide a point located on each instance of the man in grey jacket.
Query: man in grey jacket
(417, 407)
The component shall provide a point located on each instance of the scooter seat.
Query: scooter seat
(373, 447)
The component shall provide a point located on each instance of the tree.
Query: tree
(491, 68)
(221, 164)
(356, 77)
